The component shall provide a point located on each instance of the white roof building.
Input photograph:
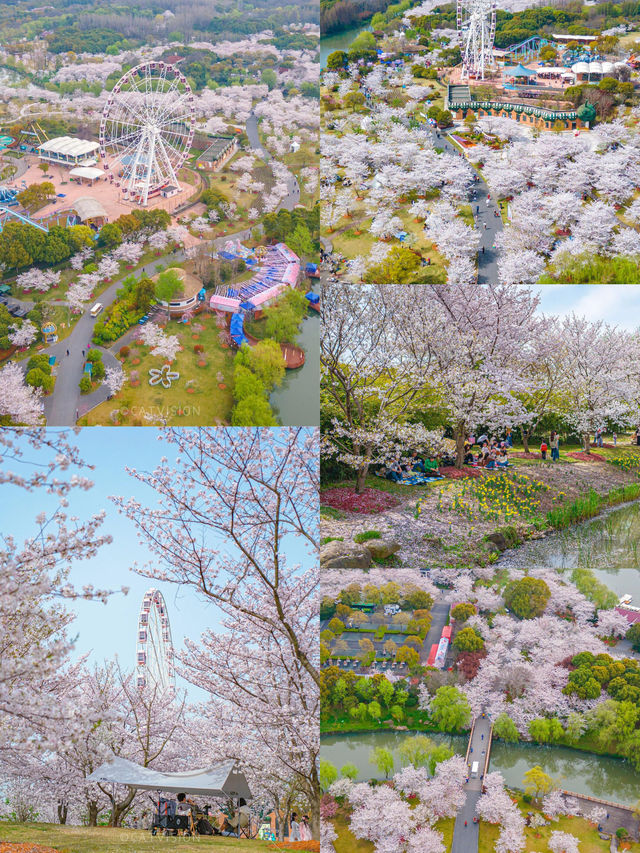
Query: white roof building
(67, 149)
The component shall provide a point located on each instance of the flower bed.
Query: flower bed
(311, 846)
(5, 847)
(587, 457)
(370, 501)
(460, 473)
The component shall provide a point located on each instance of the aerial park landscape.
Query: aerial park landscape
(477, 709)
(158, 221)
(134, 672)
(467, 143)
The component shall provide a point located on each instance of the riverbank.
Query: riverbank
(473, 516)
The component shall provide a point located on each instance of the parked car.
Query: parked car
(143, 320)
(21, 312)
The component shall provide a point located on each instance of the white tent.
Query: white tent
(221, 780)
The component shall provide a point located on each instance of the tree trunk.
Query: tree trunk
(120, 809)
(459, 437)
(525, 439)
(363, 470)
(63, 809)
(93, 813)
(586, 442)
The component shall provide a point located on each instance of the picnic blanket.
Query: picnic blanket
(413, 479)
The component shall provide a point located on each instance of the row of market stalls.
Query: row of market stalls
(277, 268)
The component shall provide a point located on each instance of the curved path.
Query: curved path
(293, 198)
(484, 209)
(67, 404)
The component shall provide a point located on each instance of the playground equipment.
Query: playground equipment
(49, 333)
(154, 655)
(476, 24)
(147, 129)
(526, 50)
(65, 218)
(8, 195)
(31, 137)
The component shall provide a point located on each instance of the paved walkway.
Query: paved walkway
(439, 614)
(465, 831)
(293, 198)
(67, 404)
(483, 210)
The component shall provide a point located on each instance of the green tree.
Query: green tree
(246, 383)
(328, 774)
(450, 710)
(633, 636)
(282, 324)
(267, 362)
(168, 285)
(468, 640)
(505, 729)
(349, 771)
(336, 60)
(301, 241)
(406, 654)
(383, 760)
(527, 598)
(461, 612)
(269, 78)
(398, 267)
(537, 782)
(85, 384)
(110, 236)
(374, 710)
(253, 410)
(37, 378)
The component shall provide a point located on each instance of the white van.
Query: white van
(97, 308)
(474, 770)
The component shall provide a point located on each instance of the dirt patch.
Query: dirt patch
(460, 473)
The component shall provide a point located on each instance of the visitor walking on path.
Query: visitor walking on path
(554, 444)
(543, 449)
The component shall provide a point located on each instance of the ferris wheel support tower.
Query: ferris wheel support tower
(476, 20)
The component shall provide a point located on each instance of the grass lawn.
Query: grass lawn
(537, 839)
(346, 842)
(208, 404)
(82, 839)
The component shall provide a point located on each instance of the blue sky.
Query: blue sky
(108, 630)
(616, 304)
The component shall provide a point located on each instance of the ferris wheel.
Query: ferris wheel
(147, 129)
(477, 29)
(154, 656)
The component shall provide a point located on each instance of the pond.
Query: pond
(339, 41)
(612, 539)
(296, 401)
(581, 772)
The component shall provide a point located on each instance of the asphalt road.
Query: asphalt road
(67, 404)
(293, 198)
(439, 613)
(487, 224)
(465, 831)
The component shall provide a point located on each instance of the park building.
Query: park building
(218, 153)
(68, 151)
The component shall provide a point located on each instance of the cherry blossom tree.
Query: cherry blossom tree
(563, 842)
(39, 280)
(19, 403)
(24, 335)
(229, 511)
(108, 268)
(114, 379)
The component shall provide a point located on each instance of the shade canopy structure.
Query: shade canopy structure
(519, 71)
(220, 780)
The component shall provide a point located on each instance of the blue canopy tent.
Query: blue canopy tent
(236, 330)
(313, 298)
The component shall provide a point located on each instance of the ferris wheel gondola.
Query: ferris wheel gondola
(154, 651)
(147, 129)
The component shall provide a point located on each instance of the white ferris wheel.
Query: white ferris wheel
(154, 656)
(477, 29)
(146, 130)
